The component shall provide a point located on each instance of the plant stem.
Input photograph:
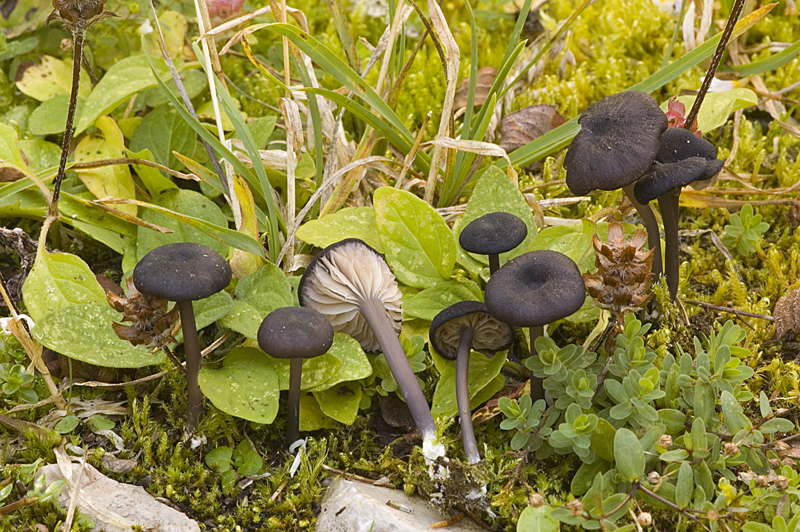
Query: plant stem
(78, 36)
(736, 10)
(191, 348)
(462, 395)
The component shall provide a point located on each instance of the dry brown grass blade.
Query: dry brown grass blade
(701, 200)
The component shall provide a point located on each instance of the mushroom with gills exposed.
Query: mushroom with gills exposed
(618, 142)
(683, 159)
(184, 272)
(353, 287)
(454, 332)
(535, 289)
(493, 234)
(297, 334)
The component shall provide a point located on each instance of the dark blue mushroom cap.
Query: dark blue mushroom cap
(295, 332)
(678, 144)
(493, 233)
(667, 177)
(618, 141)
(535, 289)
(182, 272)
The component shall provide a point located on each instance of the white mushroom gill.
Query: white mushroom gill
(346, 277)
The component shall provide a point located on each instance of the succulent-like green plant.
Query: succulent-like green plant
(17, 383)
(744, 231)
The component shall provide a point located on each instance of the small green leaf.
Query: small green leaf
(429, 302)
(777, 424)
(482, 370)
(67, 425)
(628, 455)
(419, 245)
(10, 156)
(734, 417)
(340, 402)
(163, 131)
(246, 385)
(51, 116)
(41, 154)
(537, 520)
(265, 290)
(219, 459)
(312, 417)
(84, 332)
(352, 222)
(752, 526)
(50, 78)
(685, 486)
(602, 439)
(129, 76)
(246, 460)
(98, 422)
(59, 280)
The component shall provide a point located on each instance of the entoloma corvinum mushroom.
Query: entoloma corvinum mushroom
(535, 289)
(493, 234)
(618, 142)
(454, 332)
(351, 285)
(297, 334)
(183, 273)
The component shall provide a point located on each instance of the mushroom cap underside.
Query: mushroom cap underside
(490, 334)
(341, 278)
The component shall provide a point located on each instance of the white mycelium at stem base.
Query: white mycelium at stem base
(351, 284)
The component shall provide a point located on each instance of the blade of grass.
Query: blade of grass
(770, 63)
(473, 83)
(342, 26)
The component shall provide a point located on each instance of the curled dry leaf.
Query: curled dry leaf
(484, 82)
(787, 314)
(521, 127)
(151, 323)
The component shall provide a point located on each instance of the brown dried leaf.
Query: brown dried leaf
(787, 314)
(523, 126)
(484, 82)
(151, 324)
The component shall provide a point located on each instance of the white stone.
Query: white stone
(360, 507)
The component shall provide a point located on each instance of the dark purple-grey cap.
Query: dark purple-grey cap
(535, 289)
(182, 272)
(493, 233)
(490, 334)
(678, 144)
(295, 332)
(664, 178)
(618, 141)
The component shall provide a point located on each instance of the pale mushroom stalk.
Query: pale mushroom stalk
(373, 311)
(194, 358)
(462, 395)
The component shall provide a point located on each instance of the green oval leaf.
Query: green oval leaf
(685, 486)
(628, 455)
(419, 246)
(537, 520)
(246, 385)
(352, 222)
(84, 332)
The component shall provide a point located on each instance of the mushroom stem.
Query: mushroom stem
(383, 329)
(494, 263)
(537, 384)
(293, 405)
(462, 395)
(191, 347)
(669, 212)
(651, 225)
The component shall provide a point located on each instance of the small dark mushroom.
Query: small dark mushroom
(682, 159)
(353, 287)
(618, 142)
(493, 234)
(454, 332)
(535, 289)
(183, 273)
(297, 334)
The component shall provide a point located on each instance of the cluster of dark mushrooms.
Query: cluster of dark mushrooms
(348, 287)
(624, 143)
